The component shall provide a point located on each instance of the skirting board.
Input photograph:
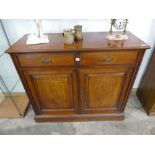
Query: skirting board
(14, 94)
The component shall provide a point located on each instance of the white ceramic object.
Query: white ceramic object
(38, 37)
(116, 37)
(34, 39)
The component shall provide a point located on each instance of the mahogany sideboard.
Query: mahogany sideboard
(146, 90)
(88, 81)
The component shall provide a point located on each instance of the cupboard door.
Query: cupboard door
(53, 91)
(103, 90)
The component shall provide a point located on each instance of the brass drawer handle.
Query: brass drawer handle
(109, 59)
(47, 61)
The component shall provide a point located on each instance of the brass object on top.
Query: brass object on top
(119, 24)
(68, 36)
(78, 32)
(73, 34)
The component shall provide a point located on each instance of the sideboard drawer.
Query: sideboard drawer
(108, 58)
(37, 60)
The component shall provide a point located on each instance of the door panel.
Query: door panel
(54, 91)
(103, 90)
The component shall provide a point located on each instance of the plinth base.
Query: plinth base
(80, 118)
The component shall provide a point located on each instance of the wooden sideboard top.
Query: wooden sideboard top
(91, 41)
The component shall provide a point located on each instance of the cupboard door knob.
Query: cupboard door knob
(77, 59)
(47, 61)
(108, 59)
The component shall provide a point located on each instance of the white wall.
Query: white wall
(7, 70)
(144, 29)
(3, 59)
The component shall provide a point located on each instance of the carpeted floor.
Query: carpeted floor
(136, 122)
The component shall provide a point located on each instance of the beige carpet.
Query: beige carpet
(136, 122)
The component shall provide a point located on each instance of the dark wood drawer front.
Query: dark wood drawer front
(37, 60)
(108, 58)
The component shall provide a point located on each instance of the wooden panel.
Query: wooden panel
(37, 60)
(103, 58)
(146, 90)
(54, 92)
(103, 90)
